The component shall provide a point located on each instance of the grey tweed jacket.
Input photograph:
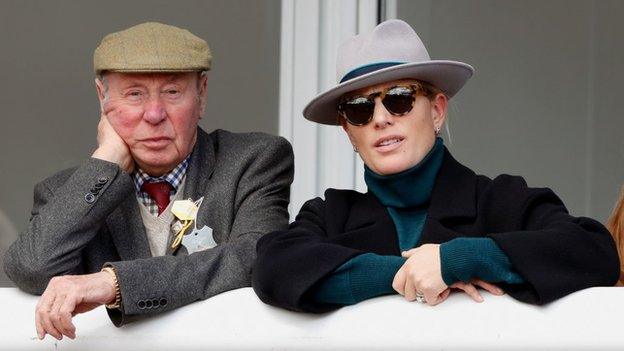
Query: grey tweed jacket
(87, 217)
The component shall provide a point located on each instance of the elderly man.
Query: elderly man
(117, 230)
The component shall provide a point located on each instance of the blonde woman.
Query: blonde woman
(427, 223)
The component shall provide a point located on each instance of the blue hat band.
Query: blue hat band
(360, 71)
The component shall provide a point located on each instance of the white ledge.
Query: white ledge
(587, 320)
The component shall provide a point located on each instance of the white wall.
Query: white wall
(544, 100)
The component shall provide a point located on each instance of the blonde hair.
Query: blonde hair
(615, 224)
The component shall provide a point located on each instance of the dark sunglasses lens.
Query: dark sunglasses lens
(358, 111)
(399, 100)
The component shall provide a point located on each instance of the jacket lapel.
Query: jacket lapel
(199, 172)
(128, 231)
(125, 224)
(453, 197)
(454, 191)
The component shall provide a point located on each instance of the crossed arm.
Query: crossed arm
(299, 269)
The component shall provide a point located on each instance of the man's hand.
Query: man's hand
(111, 147)
(68, 295)
(421, 273)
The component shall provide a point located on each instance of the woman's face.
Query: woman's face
(390, 144)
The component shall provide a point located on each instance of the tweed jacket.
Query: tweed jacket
(555, 253)
(245, 181)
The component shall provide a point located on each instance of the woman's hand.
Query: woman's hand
(421, 274)
(471, 288)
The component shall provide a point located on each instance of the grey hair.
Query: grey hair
(102, 78)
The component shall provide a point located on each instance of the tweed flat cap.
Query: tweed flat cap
(152, 47)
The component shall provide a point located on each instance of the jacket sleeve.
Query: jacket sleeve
(553, 251)
(64, 219)
(174, 281)
(463, 259)
(362, 277)
(290, 262)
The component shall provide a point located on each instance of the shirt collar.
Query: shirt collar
(174, 177)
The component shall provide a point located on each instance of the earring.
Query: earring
(437, 130)
(355, 149)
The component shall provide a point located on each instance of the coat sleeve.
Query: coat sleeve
(68, 211)
(555, 253)
(290, 262)
(361, 278)
(174, 281)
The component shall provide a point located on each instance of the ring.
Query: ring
(420, 297)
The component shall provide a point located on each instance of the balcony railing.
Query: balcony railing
(587, 320)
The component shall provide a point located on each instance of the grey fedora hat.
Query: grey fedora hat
(391, 51)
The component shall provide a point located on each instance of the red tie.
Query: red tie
(159, 192)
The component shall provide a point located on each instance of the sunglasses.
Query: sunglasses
(398, 100)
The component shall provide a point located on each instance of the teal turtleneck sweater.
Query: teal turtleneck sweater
(406, 196)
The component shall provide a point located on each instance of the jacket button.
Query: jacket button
(94, 191)
(141, 304)
(98, 186)
(89, 198)
(163, 302)
(156, 303)
(148, 304)
(103, 180)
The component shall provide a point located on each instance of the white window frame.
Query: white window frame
(311, 31)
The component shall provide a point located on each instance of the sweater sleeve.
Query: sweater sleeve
(362, 277)
(463, 259)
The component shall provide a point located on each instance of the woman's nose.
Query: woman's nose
(155, 111)
(381, 116)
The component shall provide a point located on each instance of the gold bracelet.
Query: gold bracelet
(117, 302)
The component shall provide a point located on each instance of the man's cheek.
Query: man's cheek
(124, 125)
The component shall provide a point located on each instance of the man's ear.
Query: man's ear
(101, 93)
(202, 93)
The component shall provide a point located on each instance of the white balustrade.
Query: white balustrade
(587, 320)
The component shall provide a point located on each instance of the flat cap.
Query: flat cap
(152, 47)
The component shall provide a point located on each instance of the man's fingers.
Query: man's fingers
(45, 315)
(42, 313)
(38, 325)
(55, 315)
(491, 288)
(66, 312)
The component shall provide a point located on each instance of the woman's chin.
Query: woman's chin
(388, 168)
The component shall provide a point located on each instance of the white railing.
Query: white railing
(587, 320)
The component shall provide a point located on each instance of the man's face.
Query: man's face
(156, 114)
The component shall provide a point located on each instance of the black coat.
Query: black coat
(554, 252)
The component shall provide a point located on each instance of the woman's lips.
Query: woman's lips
(388, 144)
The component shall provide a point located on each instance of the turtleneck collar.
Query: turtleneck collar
(410, 188)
